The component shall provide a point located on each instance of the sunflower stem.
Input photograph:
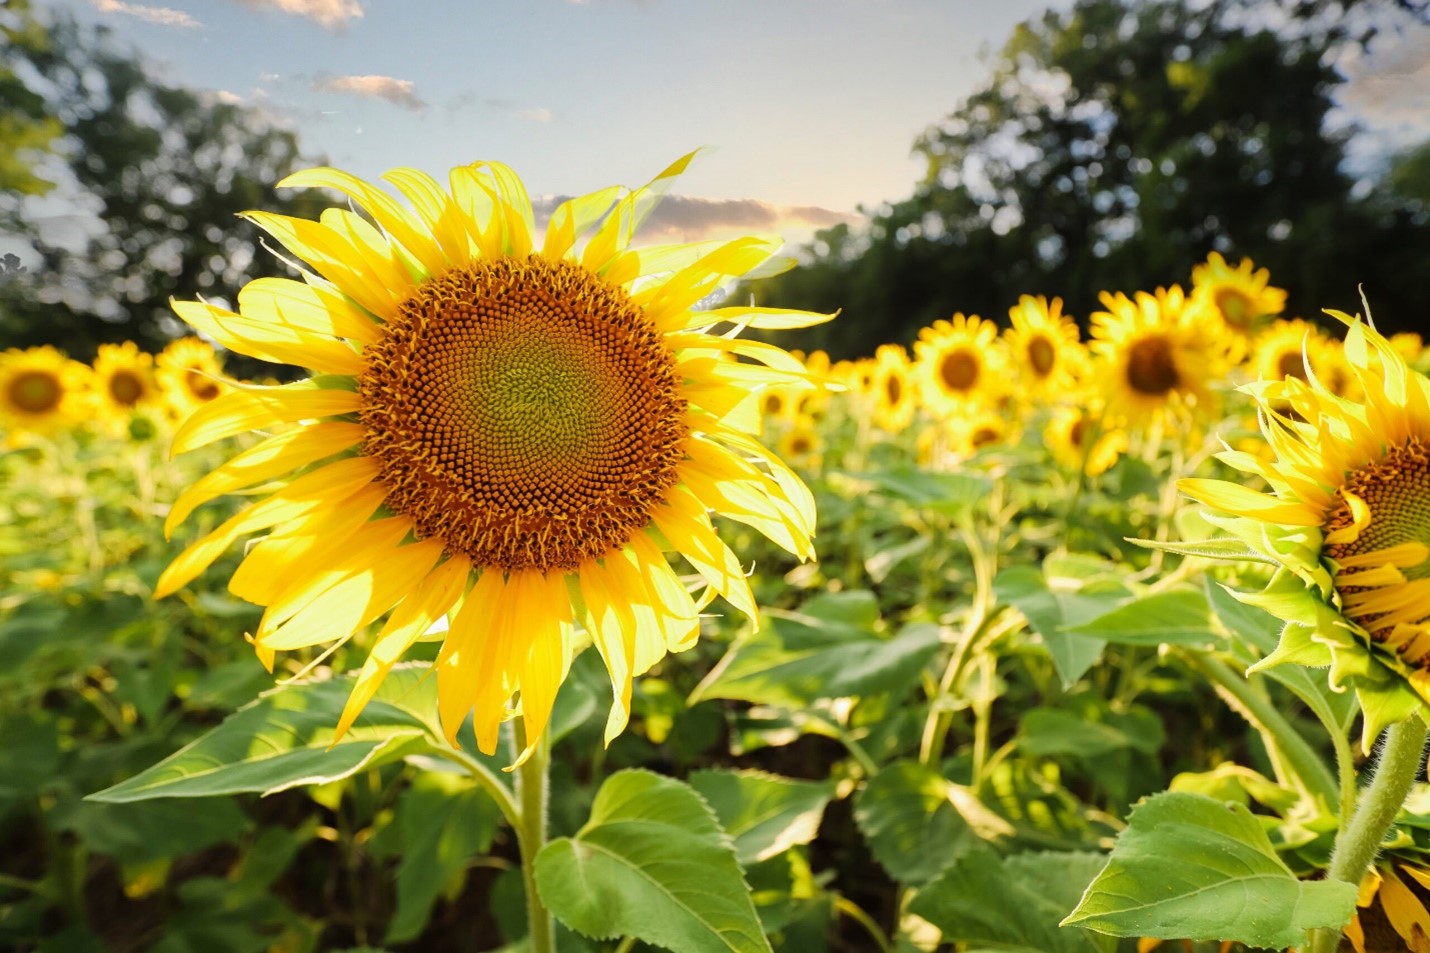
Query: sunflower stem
(1360, 839)
(532, 791)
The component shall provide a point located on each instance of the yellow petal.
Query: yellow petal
(546, 616)
(684, 522)
(573, 217)
(438, 212)
(332, 256)
(269, 340)
(612, 627)
(372, 544)
(257, 408)
(388, 213)
(472, 661)
(1360, 519)
(315, 308)
(1244, 502)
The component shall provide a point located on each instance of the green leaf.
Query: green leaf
(1026, 589)
(1013, 903)
(1226, 882)
(444, 820)
(916, 821)
(796, 659)
(282, 740)
(651, 863)
(763, 813)
(134, 833)
(1176, 617)
(948, 493)
(1048, 732)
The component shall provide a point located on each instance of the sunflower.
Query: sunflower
(802, 445)
(960, 364)
(1156, 357)
(892, 389)
(1390, 912)
(1280, 350)
(190, 375)
(124, 379)
(1075, 439)
(983, 429)
(1241, 297)
(1044, 346)
(1347, 518)
(41, 390)
(513, 431)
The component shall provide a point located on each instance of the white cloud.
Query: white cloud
(329, 14)
(160, 15)
(539, 114)
(399, 92)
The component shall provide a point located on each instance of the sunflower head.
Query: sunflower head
(1241, 297)
(124, 380)
(892, 390)
(1281, 350)
(1043, 345)
(960, 364)
(1347, 516)
(1077, 439)
(41, 391)
(509, 432)
(189, 375)
(1154, 357)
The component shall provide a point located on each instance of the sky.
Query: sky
(808, 108)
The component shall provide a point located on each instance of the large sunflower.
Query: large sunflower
(1156, 357)
(1044, 346)
(190, 375)
(124, 378)
(41, 390)
(960, 364)
(513, 431)
(1242, 297)
(1348, 509)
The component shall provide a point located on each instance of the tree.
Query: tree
(168, 169)
(1115, 144)
(26, 126)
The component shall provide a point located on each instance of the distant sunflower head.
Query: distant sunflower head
(1281, 350)
(1154, 357)
(1347, 515)
(984, 429)
(190, 375)
(892, 388)
(1242, 297)
(1077, 439)
(1043, 344)
(124, 379)
(960, 364)
(512, 433)
(802, 445)
(41, 391)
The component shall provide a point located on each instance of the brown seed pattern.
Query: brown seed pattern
(524, 412)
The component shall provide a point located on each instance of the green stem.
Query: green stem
(1358, 841)
(856, 913)
(1307, 770)
(487, 778)
(532, 791)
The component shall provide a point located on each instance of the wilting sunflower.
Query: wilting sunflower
(1241, 297)
(124, 379)
(41, 390)
(1280, 350)
(190, 375)
(515, 431)
(1347, 517)
(1156, 357)
(892, 391)
(960, 364)
(1043, 343)
(1390, 912)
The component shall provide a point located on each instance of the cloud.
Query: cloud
(160, 15)
(227, 98)
(329, 14)
(681, 218)
(539, 114)
(1391, 87)
(399, 92)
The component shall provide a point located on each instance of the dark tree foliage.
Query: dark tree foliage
(26, 127)
(166, 171)
(1114, 146)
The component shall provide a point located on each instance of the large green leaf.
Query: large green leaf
(763, 813)
(917, 822)
(1175, 617)
(1191, 867)
(651, 863)
(284, 740)
(1049, 732)
(797, 658)
(135, 833)
(444, 820)
(1013, 903)
(1050, 613)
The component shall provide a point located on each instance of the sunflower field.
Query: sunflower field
(558, 610)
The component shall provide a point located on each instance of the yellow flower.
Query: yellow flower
(892, 389)
(1389, 912)
(1076, 442)
(1156, 357)
(124, 379)
(983, 429)
(803, 445)
(537, 422)
(1044, 344)
(960, 364)
(1280, 349)
(1347, 517)
(190, 375)
(41, 390)
(1242, 296)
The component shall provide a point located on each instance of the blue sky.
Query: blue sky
(811, 105)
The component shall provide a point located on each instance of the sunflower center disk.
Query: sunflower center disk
(525, 413)
(959, 371)
(1150, 368)
(1041, 355)
(125, 388)
(1290, 364)
(1234, 307)
(35, 392)
(200, 386)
